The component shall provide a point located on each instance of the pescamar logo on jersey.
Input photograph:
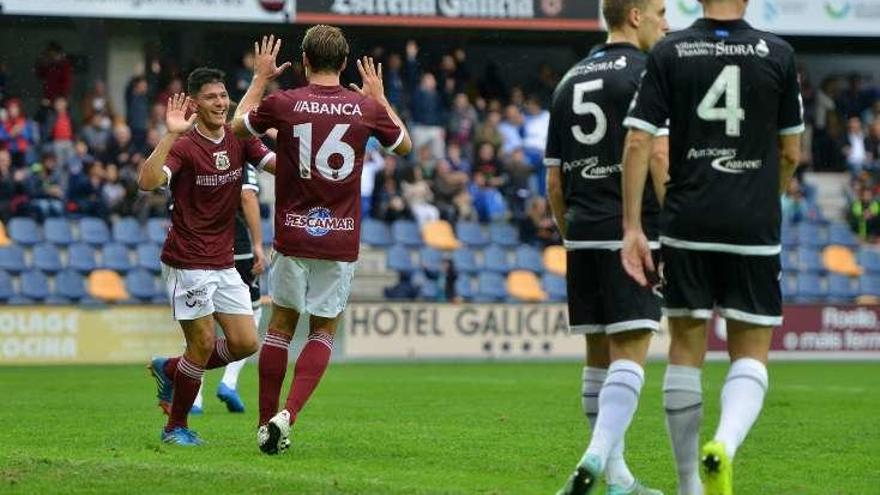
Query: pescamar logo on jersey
(318, 222)
(724, 160)
(221, 160)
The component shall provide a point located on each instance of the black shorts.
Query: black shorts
(602, 298)
(741, 287)
(244, 268)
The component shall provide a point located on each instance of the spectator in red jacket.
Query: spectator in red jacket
(56, 72)
(16, 133)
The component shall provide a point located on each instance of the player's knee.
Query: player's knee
(203, 345)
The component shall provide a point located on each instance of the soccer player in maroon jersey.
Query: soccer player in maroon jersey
(202, 162)
(322, 133)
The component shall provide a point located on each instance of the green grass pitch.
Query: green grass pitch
(488, 428)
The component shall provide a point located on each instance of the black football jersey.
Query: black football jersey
(586, 138)
(243, 248)
(728, 91)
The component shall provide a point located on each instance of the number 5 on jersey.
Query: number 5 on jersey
(581, 107)
(332, 145)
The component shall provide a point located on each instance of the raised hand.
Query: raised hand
(265, 58)
(371, 78)
(636, 257)
(175, 114)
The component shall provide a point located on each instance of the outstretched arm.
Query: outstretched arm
(152, 175)
(265, 70)
(373, 87)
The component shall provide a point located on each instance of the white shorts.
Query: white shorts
(317, 287)
(198, 293)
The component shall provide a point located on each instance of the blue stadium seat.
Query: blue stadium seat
(12, 259)
(789, 259)
(128, 231)
(115, 257)
(141, 285)
(47, 258)
(148, 257)
(24, 231)
(34, 285)
(429, 291)
(70, 284)
(555, 287)
(81, 257)
(157, 230)
(7, 291)
(841, 288)
(57, 301)
(58, 231)
(464, 287)
(93, 231)
(504, 234)
(491, 287)
(789, 236)
(809, 260)
(811, 235)
(399, 259)
(789, 284)
(495, 259)
(811, 288)
(267, 226)
(20, 301)
(840, 233)
(471, 234)
(375, 233)
(869, 285)
(529, 258)
(465, 261)
(431, 259)
(407, 233)
(869, 259)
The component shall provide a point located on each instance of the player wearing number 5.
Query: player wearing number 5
(732, 98)
(322, 134)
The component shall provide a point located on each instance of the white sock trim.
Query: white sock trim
(749, 369)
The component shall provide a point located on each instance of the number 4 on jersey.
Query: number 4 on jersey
(726, 84)
(333, 145)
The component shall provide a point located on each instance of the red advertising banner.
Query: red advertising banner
(818, 329)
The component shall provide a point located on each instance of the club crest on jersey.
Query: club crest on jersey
(221, 160)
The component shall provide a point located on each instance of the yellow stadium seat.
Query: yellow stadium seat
(525, 286)
(839, 259)
(554, 260)
(4, 239)
(439, 235)
(107, 285)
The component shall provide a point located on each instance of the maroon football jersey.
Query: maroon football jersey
(205, 178)
(322, 136)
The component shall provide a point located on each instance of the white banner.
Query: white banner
(200, 10)
(797, 17)
(464, 331)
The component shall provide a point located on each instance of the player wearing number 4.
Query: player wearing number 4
(322, 133)
(732, 98)
(616, 315)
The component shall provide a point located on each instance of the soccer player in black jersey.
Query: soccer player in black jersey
(583, 156)
(732, 100)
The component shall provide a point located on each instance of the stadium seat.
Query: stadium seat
(431, 259)
(93, 231)
(47, 258)
(840, 234)
(811, 288)
(127, 231)
(811, 235)
(58, 231)
(464, 287)
(869, 285)
(55, 300)
(789, 236)
(789, 259)
(24, 231)
(107, 285)
(406, 233)
(465, 261)
(495, 259)
(399, 259)
(81, 257)
(471, 234)
(869, 259)
(555, 260)
(524, 286)
(841, 288)
(555, 287)
(439, 235)
(4, 238)
(157, 230)
(528, 258)
(429, 291)
(70, 284)
(20, 301)
(34, 285)
(375, 233)
(7, 291)
(809, 261)
(141, 285)
(148, 257)
(268, 228)
(115, 257)
(789, 284)
(504, 234)
(491, 287)
(12, 259)
(839, 259)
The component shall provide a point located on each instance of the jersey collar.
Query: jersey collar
(209, 138)
(707, 23)
(606, 47)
